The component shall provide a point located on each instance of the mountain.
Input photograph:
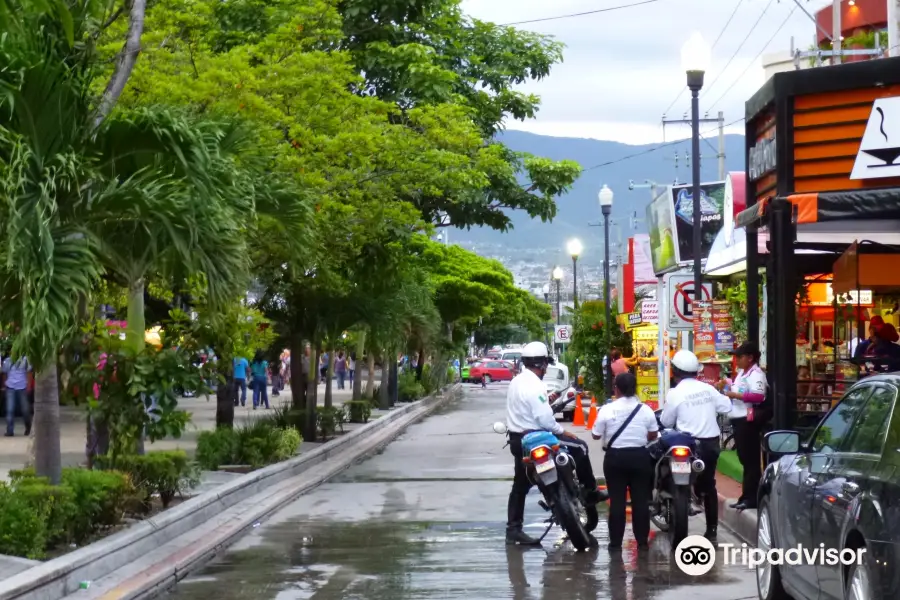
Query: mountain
(580, 206)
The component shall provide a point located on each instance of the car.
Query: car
(491, 370)
(464, 373)
(839, 490)
(557, 380)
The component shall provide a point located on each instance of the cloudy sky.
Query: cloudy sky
(622, 68)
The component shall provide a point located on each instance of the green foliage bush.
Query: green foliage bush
(358, 411)
(215, 448)
(257, 444)
(23, 526)
(329, 420)
(56, 503)
(166, 473)
(408, 388)
(100, 498)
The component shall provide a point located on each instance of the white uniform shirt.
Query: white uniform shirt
(611, 416)
(692, 407)
(527, 405)
(753, 381)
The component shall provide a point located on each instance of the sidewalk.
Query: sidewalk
(15, 452)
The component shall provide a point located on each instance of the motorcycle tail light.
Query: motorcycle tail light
(681, 452)
(539, 453)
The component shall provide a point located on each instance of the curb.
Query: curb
(277, 485)
(740, 522)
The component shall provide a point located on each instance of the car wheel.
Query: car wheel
(768, 577)
(487, 378)
(859, 586)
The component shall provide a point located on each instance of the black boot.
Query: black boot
(711, 534)
(515, 536)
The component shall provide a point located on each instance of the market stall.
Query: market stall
(644, 353)
(821, 177)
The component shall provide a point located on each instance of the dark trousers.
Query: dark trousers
(747, 444)
(628, 469)
(706, 482)
(515, 508)
(240, 384)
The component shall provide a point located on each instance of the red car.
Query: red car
(491, 370)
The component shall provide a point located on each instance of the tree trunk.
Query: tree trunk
(124, 62)
(329, 376)
(226, 394)
(384, 399)
(47, 452)
(309, 424)
(134, 332)
(299, 381)
(357, 376)
(394, 387)
(420, 364)
(370, 376)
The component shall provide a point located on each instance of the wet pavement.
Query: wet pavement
(425, 520)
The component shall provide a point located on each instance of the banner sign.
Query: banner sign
(712, 206)
(713, 335)
(650, 311)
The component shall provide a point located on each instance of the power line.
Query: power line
(718, 38)
(753, 61)
(581, 14)
(733, 56)
(655, 148)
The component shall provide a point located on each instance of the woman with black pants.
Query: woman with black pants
(747, 393)
(626, 425)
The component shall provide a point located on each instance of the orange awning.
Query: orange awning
(855, 271)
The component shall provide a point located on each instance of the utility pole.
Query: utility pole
(893, 27)
(720, 121)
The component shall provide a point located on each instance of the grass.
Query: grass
(730, 466)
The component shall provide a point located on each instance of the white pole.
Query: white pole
(893, 25)
(836, 31)
(662, 303)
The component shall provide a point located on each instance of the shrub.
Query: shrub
(358, 411)
(329, 419)
(99, 497)
(166, 473)
(23, 526)
(55, 502)
(288, 441)
(216, 448)
(408, 388)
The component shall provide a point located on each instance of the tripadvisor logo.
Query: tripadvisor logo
(696, 556)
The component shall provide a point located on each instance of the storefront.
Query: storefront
(643, 327)
(821, 147)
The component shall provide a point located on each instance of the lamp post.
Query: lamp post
(557, 276)
(695, 60)
(606, 201)
(574, 247)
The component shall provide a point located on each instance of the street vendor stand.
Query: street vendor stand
(821, 146)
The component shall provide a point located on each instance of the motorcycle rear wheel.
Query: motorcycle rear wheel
(569, 519)
(661, 519)
(681, 510)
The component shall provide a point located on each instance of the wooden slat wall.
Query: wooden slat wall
(765, 185)
(827, 131)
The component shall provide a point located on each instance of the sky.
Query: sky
(622, 68)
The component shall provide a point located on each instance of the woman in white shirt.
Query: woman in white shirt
(626, 425)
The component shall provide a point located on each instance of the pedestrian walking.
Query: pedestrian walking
(259, 369)
(351, 370)
(625, 426)
(275, 369)
(323, 367)
(340, 369)
(240, 379)
(16, 393)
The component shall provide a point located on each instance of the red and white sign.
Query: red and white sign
(563, 334)
(680, 294)
(650, 311)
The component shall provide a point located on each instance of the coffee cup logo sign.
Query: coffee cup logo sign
(762, 158)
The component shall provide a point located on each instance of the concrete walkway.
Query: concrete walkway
(15, 452)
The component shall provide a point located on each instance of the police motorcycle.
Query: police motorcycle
(677, 465)
(550, 467)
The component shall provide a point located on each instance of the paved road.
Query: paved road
(425, 520)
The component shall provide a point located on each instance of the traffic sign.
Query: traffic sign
(680, 294)
(563, 334)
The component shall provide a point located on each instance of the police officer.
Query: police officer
(528, 409)
(747, 393)
(626, 425)
(692, 407)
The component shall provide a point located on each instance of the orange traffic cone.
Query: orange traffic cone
(592, 415)
(578, 417)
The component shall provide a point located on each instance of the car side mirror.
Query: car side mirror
(782, 442)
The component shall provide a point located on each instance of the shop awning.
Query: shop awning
(864, 271)
(832, 206)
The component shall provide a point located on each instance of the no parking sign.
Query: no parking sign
(563, 334)
(680, 294)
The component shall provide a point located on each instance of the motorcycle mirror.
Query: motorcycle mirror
(500, 427)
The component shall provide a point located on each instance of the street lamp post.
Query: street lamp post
(557, 276)
(606, 201)
(695, 60)
(574, 247)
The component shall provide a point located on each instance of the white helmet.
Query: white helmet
(686, 361)
(535, 350)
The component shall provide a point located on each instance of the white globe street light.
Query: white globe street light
(606, 201)
(574, 247)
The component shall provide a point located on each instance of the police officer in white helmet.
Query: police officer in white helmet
(528, 409)
(693, 407)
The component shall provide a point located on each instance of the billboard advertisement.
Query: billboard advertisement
(712, 204)
(661, 225)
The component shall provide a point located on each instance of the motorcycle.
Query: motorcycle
(677, 465)
(550, 467)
